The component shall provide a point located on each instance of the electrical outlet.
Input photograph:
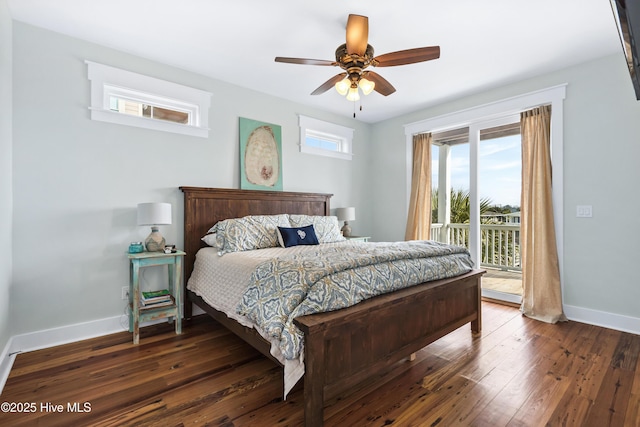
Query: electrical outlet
(125, 292)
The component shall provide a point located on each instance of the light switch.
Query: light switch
(583, 211)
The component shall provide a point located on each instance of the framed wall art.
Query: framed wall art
(260, 155)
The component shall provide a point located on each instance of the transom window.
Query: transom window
(123, 97)
(325, 139)
(129, 102)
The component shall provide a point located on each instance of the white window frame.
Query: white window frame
(107, 81)
(315, 128)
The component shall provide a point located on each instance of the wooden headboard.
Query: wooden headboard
(203, 207)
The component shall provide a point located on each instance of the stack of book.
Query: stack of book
(155, 299)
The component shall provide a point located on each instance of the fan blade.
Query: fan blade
(329, 84)
(409, 56)
(305, 61)
(382, 86)
(357, 34)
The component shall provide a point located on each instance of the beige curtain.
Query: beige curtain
(419, 219)
(541, 299)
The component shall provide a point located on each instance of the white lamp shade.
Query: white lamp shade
(367, 86)
(154, 213)
(346, 214)
(343, 86)
(352, 94)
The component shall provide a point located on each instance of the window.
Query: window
(123, 97)
(325, 139)
(129, 103)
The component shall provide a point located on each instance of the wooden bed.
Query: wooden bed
(346, 346)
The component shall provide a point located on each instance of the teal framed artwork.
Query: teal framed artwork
(260, 155)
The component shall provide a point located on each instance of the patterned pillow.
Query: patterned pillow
(248, 233)
(327, 228)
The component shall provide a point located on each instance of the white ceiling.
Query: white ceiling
(484, 44)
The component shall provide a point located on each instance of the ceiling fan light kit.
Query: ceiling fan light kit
(367, 86)
(353, 94)
(343, 86)
(356, 55)
(346, 88)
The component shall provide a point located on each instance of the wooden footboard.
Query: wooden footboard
(344, 347)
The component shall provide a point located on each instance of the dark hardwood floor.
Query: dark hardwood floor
(518, 372)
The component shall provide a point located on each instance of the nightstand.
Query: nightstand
(360, 238)
(141, 314)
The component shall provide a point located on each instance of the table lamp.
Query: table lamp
(346, 215)
(154, 214)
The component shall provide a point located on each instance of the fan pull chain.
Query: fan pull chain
(354, 108)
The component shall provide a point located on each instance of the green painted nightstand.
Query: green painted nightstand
(141, 314)
(360, 238)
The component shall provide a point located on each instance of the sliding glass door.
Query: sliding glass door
(469, 127)
(476, 199)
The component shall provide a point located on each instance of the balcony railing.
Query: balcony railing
(500, 242)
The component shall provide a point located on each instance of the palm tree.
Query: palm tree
(460, 206)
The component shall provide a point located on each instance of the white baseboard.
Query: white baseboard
(618, 322)
(6, 363)
(68, 334)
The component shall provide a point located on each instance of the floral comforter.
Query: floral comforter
(332, 277)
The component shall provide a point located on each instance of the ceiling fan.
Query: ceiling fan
(356, 55)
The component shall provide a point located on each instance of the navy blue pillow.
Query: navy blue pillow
(297, 236)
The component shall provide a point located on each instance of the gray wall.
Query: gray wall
(77, 182)
(6, 210)
(601, 152)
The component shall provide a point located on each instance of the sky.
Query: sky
(500, 169)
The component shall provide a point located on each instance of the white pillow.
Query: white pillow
(211, 240)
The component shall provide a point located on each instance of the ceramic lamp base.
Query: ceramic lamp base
(155, 242)
(346, 229)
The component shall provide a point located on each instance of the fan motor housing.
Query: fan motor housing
(348, 60)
